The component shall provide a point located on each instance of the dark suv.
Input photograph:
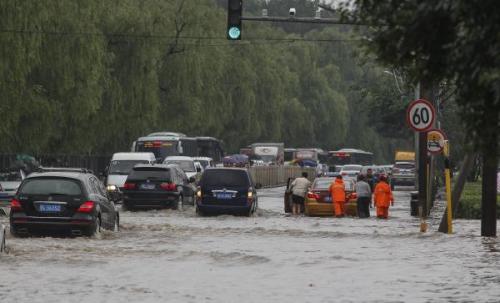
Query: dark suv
(226, 190)
(160, 185)
(70, 200)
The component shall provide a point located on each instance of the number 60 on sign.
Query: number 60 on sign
(420, 115)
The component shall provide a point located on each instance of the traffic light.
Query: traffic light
(234, 9)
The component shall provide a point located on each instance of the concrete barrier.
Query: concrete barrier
(274, 176)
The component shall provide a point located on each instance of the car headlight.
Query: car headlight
(111, 187)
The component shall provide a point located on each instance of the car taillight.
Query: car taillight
(168, 186)
(344, 173)
(15, 205)
(129, 185)
(86, 207)
(353, 196)
(311, 195)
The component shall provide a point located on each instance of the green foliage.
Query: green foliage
(469, 206)
(91, 76)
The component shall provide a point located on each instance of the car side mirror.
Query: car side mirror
(192, 179)
(198, 169)
(258, 186)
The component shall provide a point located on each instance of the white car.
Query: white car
(351, 171)
(205, 161)
(185, 163)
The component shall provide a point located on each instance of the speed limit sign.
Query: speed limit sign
(420, 115)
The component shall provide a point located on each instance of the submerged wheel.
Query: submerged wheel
(95, 229)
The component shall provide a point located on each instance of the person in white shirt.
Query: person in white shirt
(364, 194)
(299, 188)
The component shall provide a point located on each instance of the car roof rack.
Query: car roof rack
(65, 169)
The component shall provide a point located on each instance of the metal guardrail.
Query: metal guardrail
(273, 176)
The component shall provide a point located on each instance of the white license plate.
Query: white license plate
(328, 199)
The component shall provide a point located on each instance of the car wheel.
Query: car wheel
(95, 229)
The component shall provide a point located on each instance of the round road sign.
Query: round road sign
(420, 115)
(435, 141)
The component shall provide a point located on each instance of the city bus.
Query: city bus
(160, 146)
(349, 156)
(210, 147)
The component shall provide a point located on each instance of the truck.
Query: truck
(270, 153)
(403, 170)
(404, 156)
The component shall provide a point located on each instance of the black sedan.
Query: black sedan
(62, 200)
(155, 186)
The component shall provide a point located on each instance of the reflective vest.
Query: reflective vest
(337, 191)
(382, 195)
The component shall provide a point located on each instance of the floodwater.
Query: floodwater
(175, 256)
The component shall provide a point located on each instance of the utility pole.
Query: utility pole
(425, 93)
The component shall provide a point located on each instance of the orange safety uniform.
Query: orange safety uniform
(337, 191)
(382, 197)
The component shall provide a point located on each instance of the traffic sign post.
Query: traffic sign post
(420, 116)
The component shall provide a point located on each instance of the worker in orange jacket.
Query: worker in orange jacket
(337, 191)
(382, 198)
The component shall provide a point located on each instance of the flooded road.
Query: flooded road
(175, 256)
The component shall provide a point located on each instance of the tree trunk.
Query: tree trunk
(489, 188)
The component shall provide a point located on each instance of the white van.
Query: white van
(120, 166)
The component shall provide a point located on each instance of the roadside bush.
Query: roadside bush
(470, 202)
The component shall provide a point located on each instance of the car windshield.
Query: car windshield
(144, 173)
(351, 168)
(123, 167)
(55, 186)
(323, 183)
(225, 178)
(185, 165)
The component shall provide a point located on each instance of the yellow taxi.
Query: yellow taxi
(318, 200)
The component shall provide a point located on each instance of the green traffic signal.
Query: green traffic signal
(234, 11)
(234, 33)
